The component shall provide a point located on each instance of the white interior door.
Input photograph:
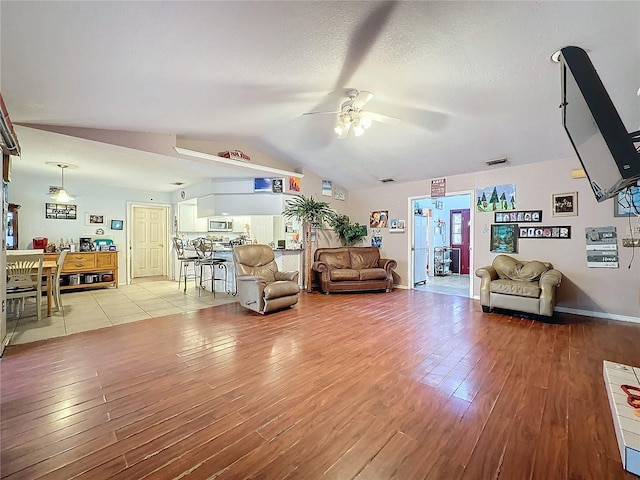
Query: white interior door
(149, 248)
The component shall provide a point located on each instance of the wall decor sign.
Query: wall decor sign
(499, 197)
(553, 231)
(627, 202)
(504, 238)
(61, 211)
(376, 238)
(438, 187)
(520, 216)
(379, 219)
(340, 194)
(327, 188)
(95, 219)
(564, 204)
(602, 247)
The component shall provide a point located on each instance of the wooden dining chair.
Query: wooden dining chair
(24, 279)
(56, 280)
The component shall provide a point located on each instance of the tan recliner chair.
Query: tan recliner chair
(519, 285)
(261, 287)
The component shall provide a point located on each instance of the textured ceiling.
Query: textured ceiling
(470, 81)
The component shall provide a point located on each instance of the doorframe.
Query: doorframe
(128, 254)
(472, 213)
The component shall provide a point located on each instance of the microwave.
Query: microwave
(220, 225)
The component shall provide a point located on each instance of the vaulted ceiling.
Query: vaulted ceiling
(470, 81)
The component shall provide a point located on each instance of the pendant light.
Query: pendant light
(61, 196)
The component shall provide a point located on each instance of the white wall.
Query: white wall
(31, 193)
(612, 293)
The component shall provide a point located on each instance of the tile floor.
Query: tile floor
(105, 307)
(448, 285)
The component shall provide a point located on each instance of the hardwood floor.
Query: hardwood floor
(405, 385)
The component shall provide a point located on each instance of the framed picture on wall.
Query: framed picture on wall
(95, 219)
(504, 238)
(117, 224)
(627, 202)
(564, 204)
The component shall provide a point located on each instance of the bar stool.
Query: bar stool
(204, 249)
(185, 260)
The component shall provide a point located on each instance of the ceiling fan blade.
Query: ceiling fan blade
(321, 113)
(362, 98)
(382, 118)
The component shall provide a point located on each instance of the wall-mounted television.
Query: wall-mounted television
(606, 150)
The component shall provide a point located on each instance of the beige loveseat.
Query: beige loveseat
(350, 269)
(524, 286)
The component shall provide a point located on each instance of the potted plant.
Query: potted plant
(349, 233)
(309, 213)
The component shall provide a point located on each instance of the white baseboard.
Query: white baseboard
(589, 313)
(575, 311)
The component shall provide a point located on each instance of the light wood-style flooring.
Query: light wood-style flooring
(405, 385)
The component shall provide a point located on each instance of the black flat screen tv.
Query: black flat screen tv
(605, 149)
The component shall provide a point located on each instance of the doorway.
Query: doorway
(148, 230)
(447, 241)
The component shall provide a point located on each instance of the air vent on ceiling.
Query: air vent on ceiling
(496, 161)
(387, 180)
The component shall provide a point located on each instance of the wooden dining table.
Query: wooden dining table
(48, 270)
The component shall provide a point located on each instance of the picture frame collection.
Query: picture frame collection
(508, 228)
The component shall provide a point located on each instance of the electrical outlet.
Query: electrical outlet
(631, 242)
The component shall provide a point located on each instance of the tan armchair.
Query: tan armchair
(519, 285)
(261, 287)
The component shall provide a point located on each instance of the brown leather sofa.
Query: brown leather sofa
(351, 269)
(261, 287)
(519, 285)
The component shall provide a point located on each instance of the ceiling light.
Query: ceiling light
(61, 196)
(358, 130)
(365, 122)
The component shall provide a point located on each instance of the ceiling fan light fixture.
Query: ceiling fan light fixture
(358, 130)
(339, 128)
(365, 122)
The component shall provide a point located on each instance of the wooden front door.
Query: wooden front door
(460, 235)
(149, 249)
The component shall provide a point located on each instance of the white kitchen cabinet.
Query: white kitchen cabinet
(290, 261)
(206, 206)
(239, 224)
(188, 220)
(278, 228)
(262, 228)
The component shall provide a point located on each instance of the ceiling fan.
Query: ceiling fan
(351, 114)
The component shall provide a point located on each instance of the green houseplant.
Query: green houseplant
(349, 233)
(310, 213)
